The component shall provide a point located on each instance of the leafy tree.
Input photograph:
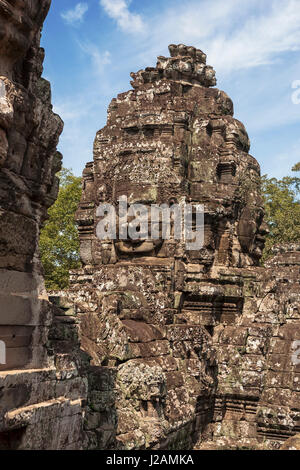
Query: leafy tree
(59, 242)
(282, 210)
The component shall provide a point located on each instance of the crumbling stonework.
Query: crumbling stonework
(183, 349)
(195, 346)
(257, 399)
(40, 389)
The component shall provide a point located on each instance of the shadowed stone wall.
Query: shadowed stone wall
(40, 391)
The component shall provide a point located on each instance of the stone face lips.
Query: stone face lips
(40, 393)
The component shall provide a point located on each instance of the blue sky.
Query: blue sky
(93, 45)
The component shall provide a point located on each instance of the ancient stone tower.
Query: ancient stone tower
(177, 348)
(196, 344)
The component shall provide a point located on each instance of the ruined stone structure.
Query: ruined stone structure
(40, 391)
(257, 400)
(197, 346)
(177, 348)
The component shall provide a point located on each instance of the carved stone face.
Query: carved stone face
(139, 242)
(252, 231)
(138, 226)
(171, 140)
(174, 137)
(142, 170)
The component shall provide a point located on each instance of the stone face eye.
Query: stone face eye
(132, 130)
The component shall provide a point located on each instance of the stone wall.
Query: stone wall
(257, 403)
(40, 390)
(154, 345)
(195, 345)
(152, 313)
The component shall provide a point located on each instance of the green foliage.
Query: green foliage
(59, 242)
(282, 210)
(296, 167)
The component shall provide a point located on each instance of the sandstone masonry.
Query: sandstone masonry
(154, 346)
(41, 391)
(197, 345)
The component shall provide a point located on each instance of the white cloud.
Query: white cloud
(76, 15)
(234, 36)
(80, 113)
(119, 11)
(283, 161)
(261, 39)
(250, 44)
(99, 59)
